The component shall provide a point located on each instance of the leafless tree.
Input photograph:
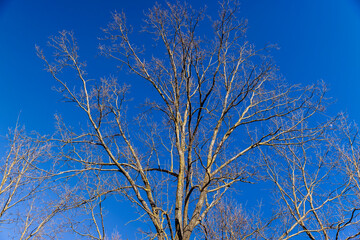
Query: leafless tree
(18, 181)
(304, 176)
(229, 220)
(23, 183)
(215, 105)
(32, 193)
(347, 145)
(316, 184)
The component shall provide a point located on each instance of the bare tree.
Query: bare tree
(23, 183)
(215, 105)
(307, 192)
(18, 181)
(229, 220)
(32, 194)
(347, 146)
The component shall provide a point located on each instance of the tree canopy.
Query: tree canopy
(217, 117)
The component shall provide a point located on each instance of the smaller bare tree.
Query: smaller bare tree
(312, 191)
(229, 220)
(21, 180)
(30, 196)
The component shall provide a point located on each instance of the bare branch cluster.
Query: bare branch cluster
(217, 116)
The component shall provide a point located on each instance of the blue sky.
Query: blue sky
(317, 39)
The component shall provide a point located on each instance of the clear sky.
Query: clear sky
(317, 39)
